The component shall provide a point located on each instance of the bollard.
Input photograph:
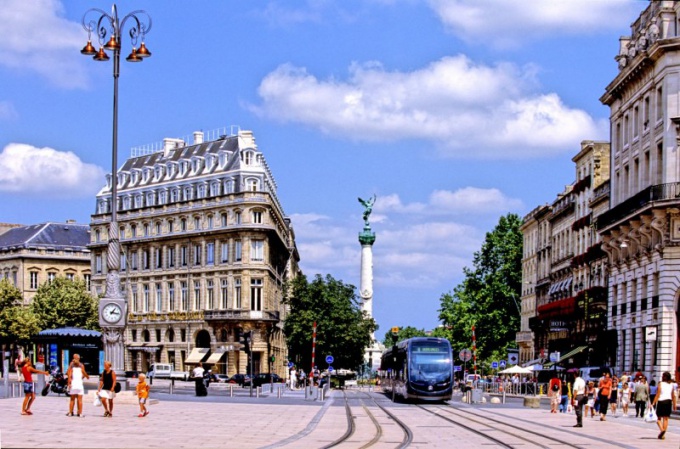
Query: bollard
(172, 386)
(231, 391)
(278, 393)
(257, 392)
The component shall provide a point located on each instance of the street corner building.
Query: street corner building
(205, 250)
(601, 265)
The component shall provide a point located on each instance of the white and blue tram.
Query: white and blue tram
(418, 368)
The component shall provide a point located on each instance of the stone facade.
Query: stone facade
(206, 248)
(32, 255)
(641, 231)
(563, 268)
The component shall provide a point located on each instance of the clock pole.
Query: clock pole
(103, 26)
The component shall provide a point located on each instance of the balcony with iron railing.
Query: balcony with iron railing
(638, 202)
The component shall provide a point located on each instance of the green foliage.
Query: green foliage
(17, 323)
(488, 296)
(404, 333)
(65, 303)
(343, 330)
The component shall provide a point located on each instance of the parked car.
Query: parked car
(265, 378)
(240, 379)
(220, 378)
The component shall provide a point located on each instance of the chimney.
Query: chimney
(198, 137)
(170, 144)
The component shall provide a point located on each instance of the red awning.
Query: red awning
(565, 306)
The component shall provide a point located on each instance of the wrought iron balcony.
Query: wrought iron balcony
(638, 202)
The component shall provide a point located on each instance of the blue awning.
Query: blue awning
(69, 332)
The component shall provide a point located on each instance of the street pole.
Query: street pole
(105, 24)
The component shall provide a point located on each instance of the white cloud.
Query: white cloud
(464, 201)
(27, 170)
(35, 37)
(418, 244)
(454, 103)
(506, 24)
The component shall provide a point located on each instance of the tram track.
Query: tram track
(541, 433)
(527, 436)
(379, 431)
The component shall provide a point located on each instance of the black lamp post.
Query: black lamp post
(103, 25)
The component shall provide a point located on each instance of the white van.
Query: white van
(165, 371)
(593, 373)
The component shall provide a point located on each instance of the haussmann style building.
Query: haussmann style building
(206, 248)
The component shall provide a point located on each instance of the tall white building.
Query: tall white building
(206, 248)
(641, 231)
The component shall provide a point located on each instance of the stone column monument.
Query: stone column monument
(367, 238)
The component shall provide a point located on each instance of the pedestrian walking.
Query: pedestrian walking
(579, 398)
(626, 394)
(590, 404)
(75, 375)
(614, 396)
(605, 392)
(142, 395)
(641, 396)
(107, 387)
(27, 370)
(197, 377)
(665, 403)
(566, 396)
(555, 392)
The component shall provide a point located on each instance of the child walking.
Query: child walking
(142, 395)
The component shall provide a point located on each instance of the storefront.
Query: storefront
(55, 348)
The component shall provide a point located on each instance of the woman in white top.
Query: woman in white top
(665, 403)
(75, 375)
(625, 398)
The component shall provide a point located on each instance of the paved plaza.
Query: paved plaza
(289, 421)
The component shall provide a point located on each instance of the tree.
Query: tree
(17, 323)
(343, 330)
(488, 297)
(404, 333)
(65, 303)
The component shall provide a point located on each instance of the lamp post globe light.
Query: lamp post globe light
(113, 306)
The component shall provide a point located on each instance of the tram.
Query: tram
(418, 368)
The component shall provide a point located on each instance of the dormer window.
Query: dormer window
(247, 157)
(214, 189)
(224, 158)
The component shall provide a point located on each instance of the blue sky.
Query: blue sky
(453, 112)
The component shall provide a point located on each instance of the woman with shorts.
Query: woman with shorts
(665, 403)
(75, 375)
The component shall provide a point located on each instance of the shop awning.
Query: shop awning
(215, 357)
(568, 355)
(197, 355)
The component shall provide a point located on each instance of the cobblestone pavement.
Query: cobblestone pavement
(295, 422)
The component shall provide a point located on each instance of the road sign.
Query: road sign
(494, 365)
(457, 368)
(330, 368)
(465, 355)
(329, 359)
(513, 358)
(290, 364)
(502, 363)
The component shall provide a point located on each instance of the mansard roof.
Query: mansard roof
(47, 235)
(229, 144)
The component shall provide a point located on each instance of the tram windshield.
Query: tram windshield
(430, 363)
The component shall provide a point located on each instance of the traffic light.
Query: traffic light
(245, 340)
(272, 359)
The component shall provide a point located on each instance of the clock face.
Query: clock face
(366, 293)
(112, 313)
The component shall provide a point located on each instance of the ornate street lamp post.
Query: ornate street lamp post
(113, 306)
